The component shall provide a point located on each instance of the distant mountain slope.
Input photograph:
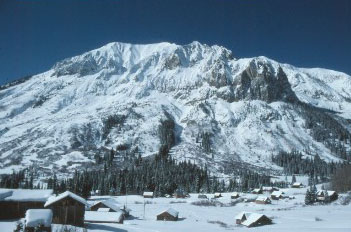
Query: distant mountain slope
(224, 109)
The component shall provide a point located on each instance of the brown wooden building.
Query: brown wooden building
(15, 202)
(252, 219)
(68, 208)
(168, 215)
(263, 200)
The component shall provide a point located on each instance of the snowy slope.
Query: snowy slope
(55, 120)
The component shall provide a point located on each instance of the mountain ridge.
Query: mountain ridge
(57, 120)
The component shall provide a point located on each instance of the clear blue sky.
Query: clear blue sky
(34, 34)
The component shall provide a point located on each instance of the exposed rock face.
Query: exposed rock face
(265, 85)
(224, 109)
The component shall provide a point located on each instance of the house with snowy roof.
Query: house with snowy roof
(234, 195)
(38, 219)
(252, 219)
(322, 194)
(257, 191)
(217, 195)
(168, 215)
(297, 185)
(109, 206)
(276, 195)
(148, 194)
(68, 208)
(263, 200)
(18, 201)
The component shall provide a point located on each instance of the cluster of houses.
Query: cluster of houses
(42, 208)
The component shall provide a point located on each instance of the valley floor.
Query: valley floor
(288, 215)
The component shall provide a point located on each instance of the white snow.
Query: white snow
(251, 218)
(39, 195)
(36, 217)
(61, 196)
(42, 118)
(98, 216)
(110, 203)
(288, 215)
(171, 211)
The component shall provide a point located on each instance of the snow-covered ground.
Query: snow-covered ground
(287, 215)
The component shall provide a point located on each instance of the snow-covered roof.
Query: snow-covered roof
(96, 216)
(252, 218)
(149, 194)
(36, 217)
(38, 195)
(5, 193)
(297, 184)
(110, 204)
(262, 198)
(235, 194)
(103, 210)
(277, 193)
(171, 211)
(218, 194)
(321, 192)
(256, 190)
(241, 214)
(61, 196)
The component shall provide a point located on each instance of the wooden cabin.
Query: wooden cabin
(104, 217)
(252, 219)
(168, 215)
(217, 195)
(263, 200)
(68, 208)
(110, 205)
(15, 202)
(321, 194)
(148, 194)
(234, 195)
(38, 218)
(257, 191)
(297, 185)
(276, 195)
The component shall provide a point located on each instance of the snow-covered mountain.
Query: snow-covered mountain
(118, 94)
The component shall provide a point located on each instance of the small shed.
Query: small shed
(321, 194)
(257, 191)
(108, 205)
(202, 196)
(148, 194)
(256, 219)
(168, 215)
(241, 217)
(38, 218)
(263, 200)
(68, 208)
(276, 195)
(104, 217)
(297, 185)
(217, 195)
(234, 195)
(18, 201)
